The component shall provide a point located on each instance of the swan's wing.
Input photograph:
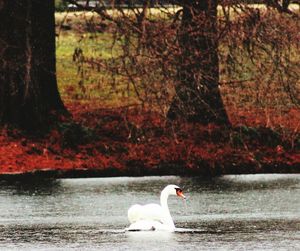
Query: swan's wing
(147, 212)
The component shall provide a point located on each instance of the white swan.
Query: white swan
(154, 216)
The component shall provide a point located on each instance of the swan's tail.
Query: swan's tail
(134, 213)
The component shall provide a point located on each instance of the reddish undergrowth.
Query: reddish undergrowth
(137, 142)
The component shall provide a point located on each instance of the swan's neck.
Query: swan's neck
(164, 204)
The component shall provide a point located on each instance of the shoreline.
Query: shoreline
(134, 172)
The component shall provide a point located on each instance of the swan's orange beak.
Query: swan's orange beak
(180, 194)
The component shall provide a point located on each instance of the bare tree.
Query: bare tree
(182, 57)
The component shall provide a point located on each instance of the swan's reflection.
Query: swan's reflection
(150, 236)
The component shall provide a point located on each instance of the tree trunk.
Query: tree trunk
(29, 97)
(198, 96)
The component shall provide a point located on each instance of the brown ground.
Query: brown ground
(134, 142)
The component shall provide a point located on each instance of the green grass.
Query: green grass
(83, 82)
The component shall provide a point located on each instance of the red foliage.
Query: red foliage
(138, 141)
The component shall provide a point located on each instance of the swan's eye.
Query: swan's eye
(178, 190)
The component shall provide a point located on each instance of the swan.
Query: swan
(153, 216)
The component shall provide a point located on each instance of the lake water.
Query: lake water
(246, 212)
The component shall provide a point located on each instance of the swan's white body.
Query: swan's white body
(154, 216)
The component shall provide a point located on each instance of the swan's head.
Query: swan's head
(174, 190)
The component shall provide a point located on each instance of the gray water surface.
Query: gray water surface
(245, 212)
